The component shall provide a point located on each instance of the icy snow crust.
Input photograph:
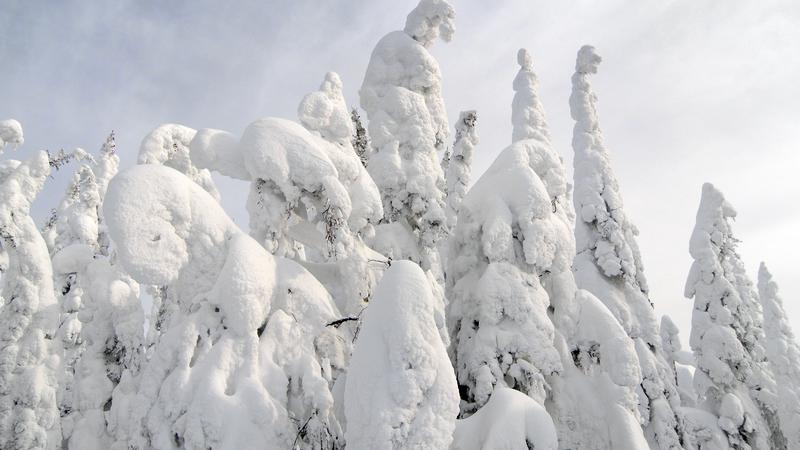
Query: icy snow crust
(246, 357)
(401, 392)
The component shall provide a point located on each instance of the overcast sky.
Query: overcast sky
(690, 91)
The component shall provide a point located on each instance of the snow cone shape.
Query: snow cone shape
(400, 392)
(245, 357)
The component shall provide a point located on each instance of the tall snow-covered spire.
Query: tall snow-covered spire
(402, 96)
(608, 262)
(732, 378)
(527, 112)
(783, 354)
(603, 229)
(459, 167)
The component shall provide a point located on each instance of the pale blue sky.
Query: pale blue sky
(689, 92)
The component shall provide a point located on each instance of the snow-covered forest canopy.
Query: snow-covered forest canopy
(370, 272)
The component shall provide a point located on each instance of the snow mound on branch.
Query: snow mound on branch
(168, 145)
(10, 133)
(401, 391)
(431, 19)
(509, 420)
(230, 367)
(293, 171)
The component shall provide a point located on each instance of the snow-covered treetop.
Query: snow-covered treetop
(588, 60)
(459, 165)
(603, 228)
(168, 145)
(527, 112)
(10, 133)
(431, 19)
(325, 111)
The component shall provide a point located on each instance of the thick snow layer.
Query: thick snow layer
(168, 145)
(509, 421)
(783, 354)
(29, 356)
(10, 133)
(431, 19)
(245, 356)
(727, 332)
(401, 391)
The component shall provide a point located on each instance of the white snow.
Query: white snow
(10, 133)
(401, 391)
(508, 421)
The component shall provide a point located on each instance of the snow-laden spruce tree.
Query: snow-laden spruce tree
(459, 166)
(109, 348)
(29, 352)
(509, 420)
(527, 113)
(516, 316)
(402, 96)
(608, 263)
(400, 392)
(783, 354)
(732, 379)
(680, 361)
(245, 357)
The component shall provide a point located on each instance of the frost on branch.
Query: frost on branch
(29, 361)
(400, 391)
(783, 354)
(726, 332)
(608, 263)
(245, 356)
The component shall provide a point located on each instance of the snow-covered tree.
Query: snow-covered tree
(608, 263)
(402, 96)
(783, 354)
(509, 420)
(246, 357)
(400, 391)
(680, 361)
(732, 379)
(516, 316)
(29, 353)
(459, 166)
